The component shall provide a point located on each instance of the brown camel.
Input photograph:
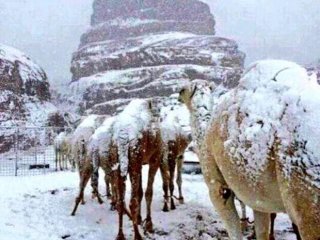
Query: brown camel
(176, 149)
(260, 145)
(86, 171)
(175, 132)
(136, 141)
(80, 139)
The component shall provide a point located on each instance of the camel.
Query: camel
(261, 146)
(136, 142)
(98, 148)
(79, 142)
(176, 136)
(62, 147)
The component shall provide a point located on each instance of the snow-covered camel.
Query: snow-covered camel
(62, 147)
(80, 139)
(136, 141)
(97, 152)
(263, 145)
(176, 135)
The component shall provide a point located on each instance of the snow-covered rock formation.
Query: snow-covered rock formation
(149, 49)
(24, 97)
(314, 69)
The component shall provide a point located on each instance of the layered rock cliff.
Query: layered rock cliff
(24, 97)
(139, 49)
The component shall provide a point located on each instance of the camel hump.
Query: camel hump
(275, 100)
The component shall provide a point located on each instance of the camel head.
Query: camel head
(197, 94)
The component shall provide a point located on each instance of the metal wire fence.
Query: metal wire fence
(27, 150)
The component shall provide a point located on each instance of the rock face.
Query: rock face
(139, 49)
(314, 69)
(24, 96)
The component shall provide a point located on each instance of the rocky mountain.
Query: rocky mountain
(24, 98)
(314, 69)
(145, 48)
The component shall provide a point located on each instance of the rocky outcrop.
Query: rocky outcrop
(24, 97)
(139, 49)
(314, 69)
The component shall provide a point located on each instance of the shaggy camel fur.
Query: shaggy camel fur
(287, 181)
(136, 141)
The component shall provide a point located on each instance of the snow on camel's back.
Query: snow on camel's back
(137, 139)
(262, 142)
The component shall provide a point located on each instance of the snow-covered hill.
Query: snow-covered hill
(24, 96)
(140, 51)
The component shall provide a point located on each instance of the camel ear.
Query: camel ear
(193, 91)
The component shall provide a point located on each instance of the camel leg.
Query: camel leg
(301, 202)
(179, 177)
(272, 219)
(153, 167)
(296, 231)
(95, 184)
(66, 161)
(221, 197)
(135, 177)
(165, 185)
(56, 153)
(121, 190)
(114, 195)
(140, 200)
(244, 219)
(60, 161)
(85, 176)
(172, 166)
(108, 189)
(262, 225)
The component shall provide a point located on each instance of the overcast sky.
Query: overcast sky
(49, 30)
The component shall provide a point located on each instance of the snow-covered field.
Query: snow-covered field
(39, 207)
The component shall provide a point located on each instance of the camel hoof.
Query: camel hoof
(173, 206)
(165, 208)
(73, 214)
(271, 237)
(138, 237)
(112, 207)
(83, 202)
(120, 236)
(181, 200)
(148, 227)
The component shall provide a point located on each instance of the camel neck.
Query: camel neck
(200, 118)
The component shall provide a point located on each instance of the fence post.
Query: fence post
(44, 134)
(16, 151)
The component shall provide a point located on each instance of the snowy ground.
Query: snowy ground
(38, 207)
